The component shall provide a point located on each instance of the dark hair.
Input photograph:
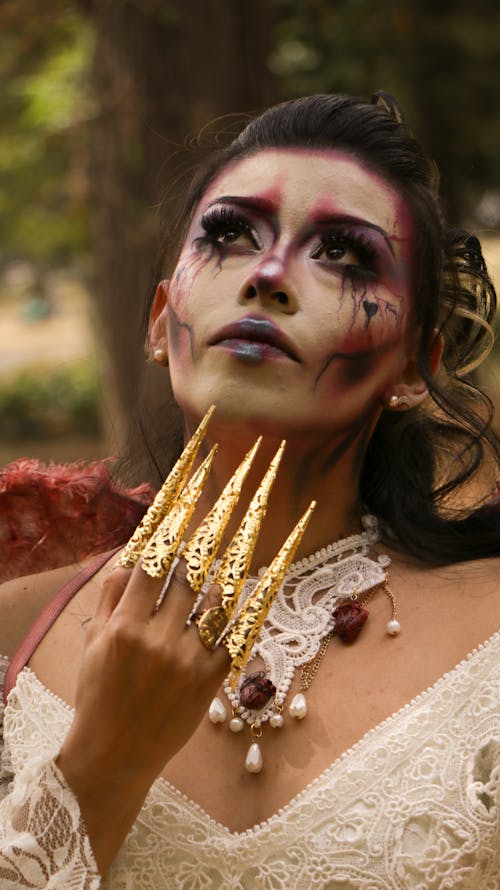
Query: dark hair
(418, 462)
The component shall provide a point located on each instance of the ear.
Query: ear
(156, 345)
(411, 389)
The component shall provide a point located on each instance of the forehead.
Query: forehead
(300, 180)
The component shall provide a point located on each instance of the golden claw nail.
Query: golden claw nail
(161, 549)
(201, 550)
(165, 498)
(236, 560)
(246, 628)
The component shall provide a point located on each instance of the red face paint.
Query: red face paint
(316, 245)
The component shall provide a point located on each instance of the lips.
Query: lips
(254, 329)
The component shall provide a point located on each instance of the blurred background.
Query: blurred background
(105, 105)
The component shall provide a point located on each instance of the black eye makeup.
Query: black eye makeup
(350, 248)
(224, 226)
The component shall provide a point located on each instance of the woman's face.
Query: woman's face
(290, 305)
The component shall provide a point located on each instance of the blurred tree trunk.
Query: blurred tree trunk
(451, 54)
(161, 71)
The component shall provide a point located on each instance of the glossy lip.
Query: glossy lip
(256, 329)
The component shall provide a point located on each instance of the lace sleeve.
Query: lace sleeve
(43, 842)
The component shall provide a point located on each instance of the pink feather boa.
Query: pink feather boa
(52, 515)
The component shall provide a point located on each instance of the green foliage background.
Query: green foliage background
(46, 402)
(442, 61)
(44, 101)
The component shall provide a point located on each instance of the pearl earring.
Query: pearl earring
(160, 355)
(399, 402)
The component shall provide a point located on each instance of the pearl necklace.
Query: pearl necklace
(320, 596)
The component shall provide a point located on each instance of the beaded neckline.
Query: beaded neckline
(296, 632)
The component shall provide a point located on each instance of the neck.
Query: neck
(326, 471)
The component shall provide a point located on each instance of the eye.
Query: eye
(351, 249)
(225, 226)
(332, 247)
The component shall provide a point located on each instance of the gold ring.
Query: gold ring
(210, 625)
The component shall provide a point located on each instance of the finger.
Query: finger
(112, 591)
(141, 595)
(165, 499)
(178, 601)
(248, 623)
(212, 598)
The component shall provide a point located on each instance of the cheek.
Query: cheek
(370, 308)
(353, 368)
(371, 372)
(181, 345)
(185, 276)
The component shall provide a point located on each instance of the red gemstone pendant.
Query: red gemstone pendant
(349, 619)
(256, 691)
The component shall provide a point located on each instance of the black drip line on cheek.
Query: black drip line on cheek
(392, 311)
(209, 250)
(191, 264)
(349, 281)
(360, 299)
(361, 359)
(371, 309)
(175, 326)
(358, 293)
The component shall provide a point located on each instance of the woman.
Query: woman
(316, 297)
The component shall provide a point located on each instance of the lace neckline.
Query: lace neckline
(288, 809)
(370, 734)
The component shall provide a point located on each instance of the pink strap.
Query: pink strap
(46, 619)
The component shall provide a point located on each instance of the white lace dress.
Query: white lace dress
(415, 804)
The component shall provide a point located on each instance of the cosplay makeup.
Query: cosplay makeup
(292, 296)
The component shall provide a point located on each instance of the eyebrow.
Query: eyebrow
(259, 204)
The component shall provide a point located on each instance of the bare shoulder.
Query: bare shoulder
(475, 580)
(452, 609)
(472, 580)
(22, 600)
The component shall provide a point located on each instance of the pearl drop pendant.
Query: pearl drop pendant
(298, 706)
(276, 721)
(253, 760)
(236, 724)
(217, 711)
(393, 627)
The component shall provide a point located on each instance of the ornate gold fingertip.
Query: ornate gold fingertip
(161, 549)
(165, 498)
(246, 628)
(236, 560)
(201, 550)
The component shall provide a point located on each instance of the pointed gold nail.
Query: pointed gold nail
(201, 549)
(161, 549)
(246, 628)
(236, 560)
(165, 498)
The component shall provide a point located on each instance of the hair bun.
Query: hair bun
(390, 105)
(470, 300)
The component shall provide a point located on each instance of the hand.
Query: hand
(144, 685)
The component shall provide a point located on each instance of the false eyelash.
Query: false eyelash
(357, 242)
(219, 221)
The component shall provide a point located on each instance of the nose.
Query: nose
(270, 284)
